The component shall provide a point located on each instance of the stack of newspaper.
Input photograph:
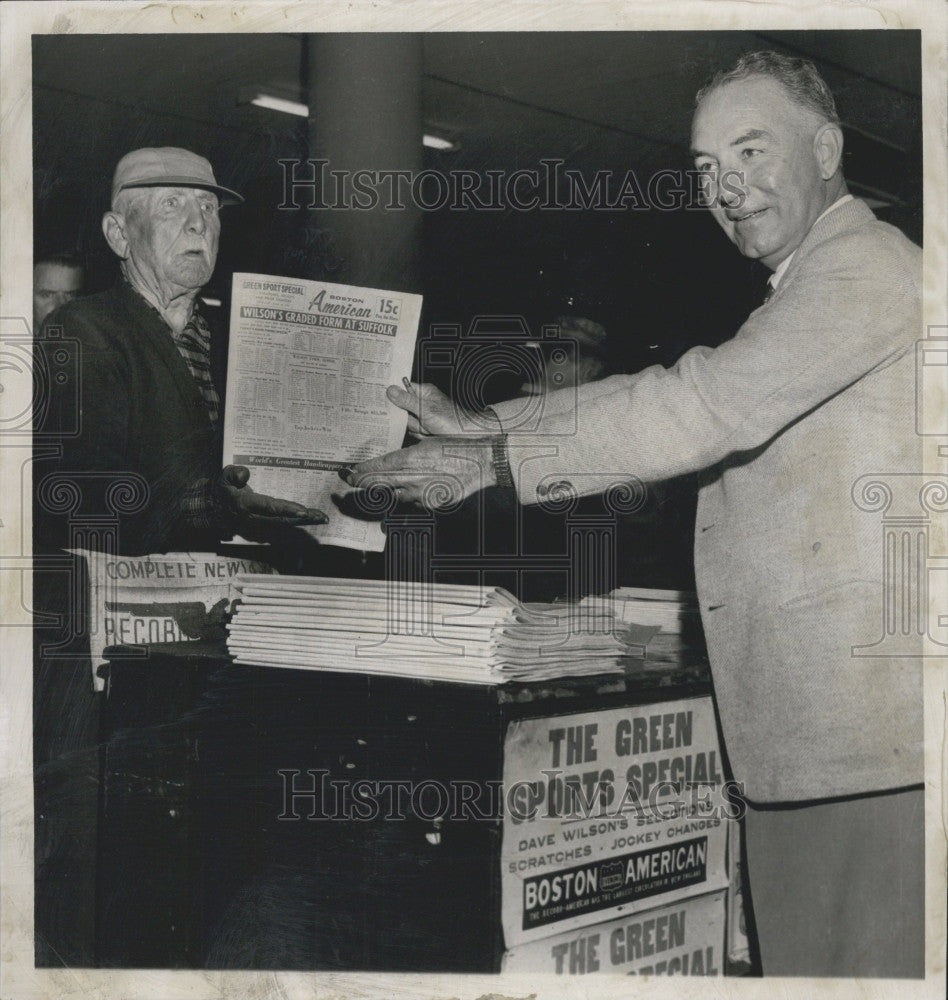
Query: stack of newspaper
(672, 610)
(680, 639)
(472, 634)
(547, 641)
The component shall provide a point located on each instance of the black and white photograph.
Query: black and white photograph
(474, 508)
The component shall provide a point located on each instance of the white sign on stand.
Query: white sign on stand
(610, 812)
(685, 939)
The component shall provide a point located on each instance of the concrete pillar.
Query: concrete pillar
(365, 115)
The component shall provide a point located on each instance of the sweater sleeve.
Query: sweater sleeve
(99, 472)
(837, 317)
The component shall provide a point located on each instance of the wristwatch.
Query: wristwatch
(499, 461)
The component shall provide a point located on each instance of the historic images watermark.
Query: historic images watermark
(910, 505)
(29, 367)
(314, 794)
(45, 371)
(313, 184)
(584, 556)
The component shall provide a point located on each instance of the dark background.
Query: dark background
(659, 281)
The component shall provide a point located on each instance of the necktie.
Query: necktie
(194, 345)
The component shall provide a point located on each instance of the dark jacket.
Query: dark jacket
(129, 424)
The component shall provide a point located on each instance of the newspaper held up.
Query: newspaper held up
(308, 366)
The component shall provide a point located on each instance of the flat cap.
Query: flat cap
(168, 166)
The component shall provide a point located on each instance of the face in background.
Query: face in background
(53, 286)
(788, 156)
(564, 370)
(167, 236)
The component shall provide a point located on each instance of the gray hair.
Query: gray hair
(127, 199)
(799, 77)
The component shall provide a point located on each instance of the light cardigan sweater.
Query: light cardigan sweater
(814, 391)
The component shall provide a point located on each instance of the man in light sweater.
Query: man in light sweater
(814, 392)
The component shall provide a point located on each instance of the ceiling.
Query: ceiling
(511, 97)
(613, 101)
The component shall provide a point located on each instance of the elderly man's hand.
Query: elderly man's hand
(431, 412)
(437, 473)
(249, 509)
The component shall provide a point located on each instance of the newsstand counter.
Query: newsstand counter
(300, 819)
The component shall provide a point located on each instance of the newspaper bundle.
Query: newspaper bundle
(470, 634)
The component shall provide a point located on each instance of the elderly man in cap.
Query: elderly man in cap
(148, 404)
(138, 436)
(786, 421)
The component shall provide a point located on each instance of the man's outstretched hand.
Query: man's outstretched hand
(436, 473)
(431, 412)
(245, 508)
